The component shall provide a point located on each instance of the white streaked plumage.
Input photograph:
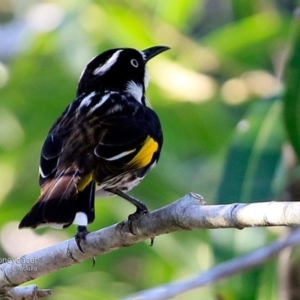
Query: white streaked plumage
(120, 155)
(87, 100)
(103, 99)
(107, 65)
(114, 109)
(41, 173)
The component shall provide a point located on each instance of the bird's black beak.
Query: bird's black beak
(153, 51)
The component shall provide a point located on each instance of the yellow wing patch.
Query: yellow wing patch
(84, 181)
(144, 156)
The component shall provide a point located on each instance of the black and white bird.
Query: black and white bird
(107, 140)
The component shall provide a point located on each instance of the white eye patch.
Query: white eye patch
(102, 69)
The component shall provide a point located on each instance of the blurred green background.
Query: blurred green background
(226, 110)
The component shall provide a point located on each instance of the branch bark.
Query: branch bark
(27, 293)
(187, 213)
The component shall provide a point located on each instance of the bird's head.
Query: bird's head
(121, 70)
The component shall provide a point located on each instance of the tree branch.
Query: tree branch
(186, 213)
(27, 293)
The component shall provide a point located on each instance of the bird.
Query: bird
(103, 144)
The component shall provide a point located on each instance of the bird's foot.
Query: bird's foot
(135, 216)
(80, 236)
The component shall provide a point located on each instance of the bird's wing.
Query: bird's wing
(51, 151)
(127, 143)
(65, 188)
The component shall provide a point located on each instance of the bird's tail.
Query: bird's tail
(70, 192)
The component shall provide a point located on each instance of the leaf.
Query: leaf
(253, 155)
(291, 106)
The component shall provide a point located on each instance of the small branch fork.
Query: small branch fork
(187, 213)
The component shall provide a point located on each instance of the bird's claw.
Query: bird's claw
(80, 236)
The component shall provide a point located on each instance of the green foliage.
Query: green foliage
(254, 155)
(223, 131)
(292, 91)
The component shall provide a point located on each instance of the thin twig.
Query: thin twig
(221, 271)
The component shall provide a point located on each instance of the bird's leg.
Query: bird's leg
(80, 235)
(141, 208)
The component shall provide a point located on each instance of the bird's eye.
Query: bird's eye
(134, 63)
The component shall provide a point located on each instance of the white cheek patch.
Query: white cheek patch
(135, 90)
(102, 69)
(81, 219)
